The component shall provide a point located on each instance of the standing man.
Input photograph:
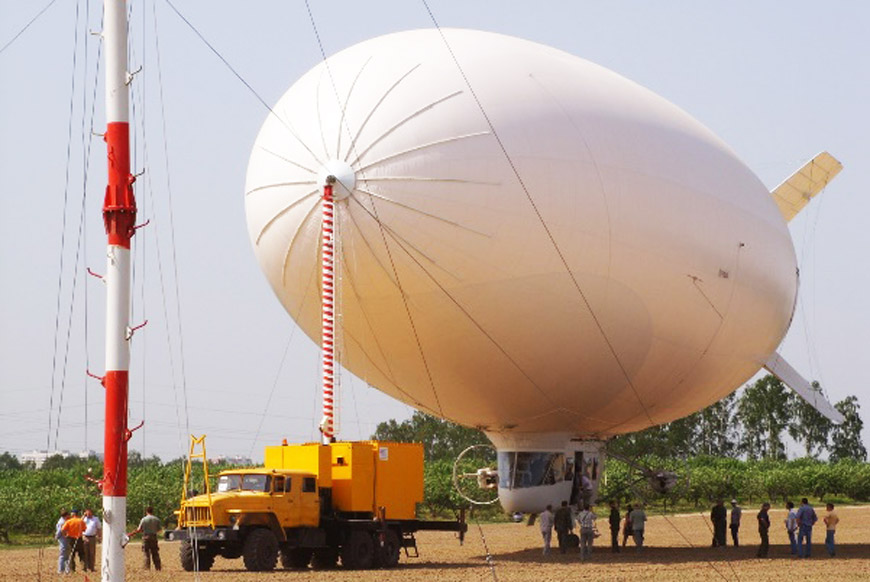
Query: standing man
(73, 529)
(62, 541)
(736, 514)
(831, 521)
(626, 527)
(638, 522)
(585, 488)
(763, 531)
(547, 528)
(614, 527)
(563, 521)
(791, 526)
(806, 518)
(93, 531)
(719, 517)
(150, 526)
(587, 531)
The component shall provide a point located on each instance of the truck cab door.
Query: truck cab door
(285, 500)
(309, 502)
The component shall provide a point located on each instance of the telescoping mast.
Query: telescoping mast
(119, 216)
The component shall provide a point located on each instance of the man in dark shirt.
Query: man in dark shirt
(763, 529)
(563, 522)
(614, 526)
(719, 517)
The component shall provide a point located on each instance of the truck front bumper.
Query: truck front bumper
(202, 534)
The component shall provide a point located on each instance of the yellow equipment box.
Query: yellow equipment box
(364, 475)
(311, 458)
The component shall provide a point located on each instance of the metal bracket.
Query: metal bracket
(102, 379)
(128, 432)
(144, 224)
(132, 330)
(131, 75)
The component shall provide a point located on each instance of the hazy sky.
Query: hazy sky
(777, 81)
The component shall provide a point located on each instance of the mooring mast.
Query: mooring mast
(119, 216)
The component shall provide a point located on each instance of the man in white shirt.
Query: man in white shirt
(586, 519)
(547, 528)
(62, 541)
(93, 534)
(791, 526)
(736, 514)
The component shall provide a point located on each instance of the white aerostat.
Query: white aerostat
(530, 244)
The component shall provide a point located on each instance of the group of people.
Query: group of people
(564, 522)
(799, 526)
(78, 538)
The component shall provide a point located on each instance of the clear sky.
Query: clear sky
(777, 81)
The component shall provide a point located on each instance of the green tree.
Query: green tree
(717, 427)
(441, 439)
(764, 410)
(846, 440)
(10, 462)
(809, 426)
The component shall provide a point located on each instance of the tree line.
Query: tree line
(752, 424)
(734, 448)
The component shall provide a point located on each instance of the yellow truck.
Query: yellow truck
(311, 504)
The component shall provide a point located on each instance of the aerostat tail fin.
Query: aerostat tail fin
(777, 366)
(796, 192)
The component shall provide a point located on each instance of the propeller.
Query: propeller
(474, 478)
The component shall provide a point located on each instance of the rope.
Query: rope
(540, 217)
(271, 392)
(555, 245)
(159, 255)
(32, 20)
(87, 131)
(691, 545)
(490, 562)
(66, 188)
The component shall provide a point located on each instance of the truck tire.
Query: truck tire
(388, 549)
(190, 562)
(324, 559)
(295, 558)
(261, 550)
(358, 552)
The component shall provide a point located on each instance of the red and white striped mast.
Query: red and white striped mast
(338, 182)
(119, 216)
(327, 310)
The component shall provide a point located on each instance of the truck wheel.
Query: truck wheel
(190, 562)
(388, 550)
(295, 558)
(358, 551)
(261, 550)
(324, 559)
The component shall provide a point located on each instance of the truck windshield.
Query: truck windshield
(256, 483)
(229, 483)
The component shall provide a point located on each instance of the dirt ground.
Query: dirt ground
(679, 549)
